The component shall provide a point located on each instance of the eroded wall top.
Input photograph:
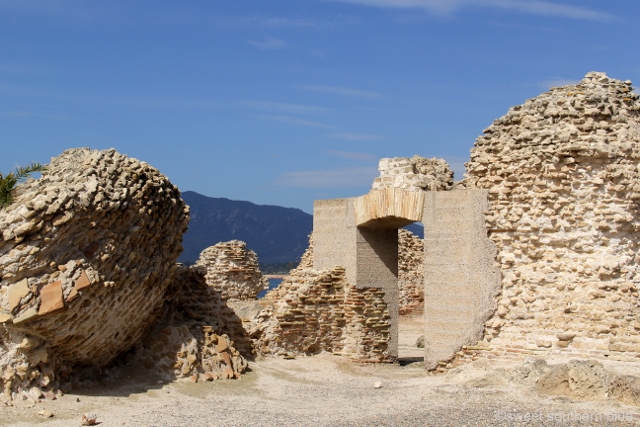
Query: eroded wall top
(414, 174)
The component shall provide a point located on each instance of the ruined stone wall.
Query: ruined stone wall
(319, 310)
(410, 273)
(414, 174)
(233, 270)
(86, 254)
(563, 176)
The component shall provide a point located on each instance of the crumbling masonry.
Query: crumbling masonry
(534, 253)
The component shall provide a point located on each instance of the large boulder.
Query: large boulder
(86, 254)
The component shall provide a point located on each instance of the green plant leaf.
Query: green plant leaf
(9, 181)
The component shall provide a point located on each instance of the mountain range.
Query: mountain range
(277, 234)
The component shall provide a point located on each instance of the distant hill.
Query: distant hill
(278, 235)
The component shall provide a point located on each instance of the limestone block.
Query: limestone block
(82, 282)
(26, 315)
(17, 292)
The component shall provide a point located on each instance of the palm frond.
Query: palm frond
(9, 181)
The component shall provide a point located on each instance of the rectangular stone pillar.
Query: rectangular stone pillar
(461, 280)
(335, 235)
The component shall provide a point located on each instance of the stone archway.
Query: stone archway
(361, 235)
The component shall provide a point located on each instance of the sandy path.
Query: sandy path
(323, 390)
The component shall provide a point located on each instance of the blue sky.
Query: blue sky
(285, 101)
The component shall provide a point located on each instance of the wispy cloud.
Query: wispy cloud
(342, 91)
(283, 107)
(351, 155)
(269, 43)
(357, 136)
(337, 178)
(297, 121)
(533, 7)
(287, 22)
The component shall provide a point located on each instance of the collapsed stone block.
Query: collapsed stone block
(87, 253)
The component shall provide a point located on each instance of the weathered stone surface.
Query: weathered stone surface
(461, 279)
(233, 270)
(562, 171)
(198, 334)
(410, 273)
(414, 174)
(579, 379)
(101, 231)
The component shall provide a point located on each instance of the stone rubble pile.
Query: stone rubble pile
(233, 270)
(198, 337)
(414, 174)
(563, 174)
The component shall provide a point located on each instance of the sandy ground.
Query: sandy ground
(325, 390)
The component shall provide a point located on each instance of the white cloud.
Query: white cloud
(352, 155)
(357, 136)
(269, 43)
(338, 178)
(283, 107)
(533, 7)
(281, 22)
(297, 121)
(342, 91)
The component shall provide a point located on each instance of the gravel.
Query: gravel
(322, 390)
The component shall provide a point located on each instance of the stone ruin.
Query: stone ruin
(233, 270)
(320, 310)
(87, 256)
(533, 253)
(562, 174)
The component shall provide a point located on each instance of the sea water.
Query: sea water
(273, 283)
